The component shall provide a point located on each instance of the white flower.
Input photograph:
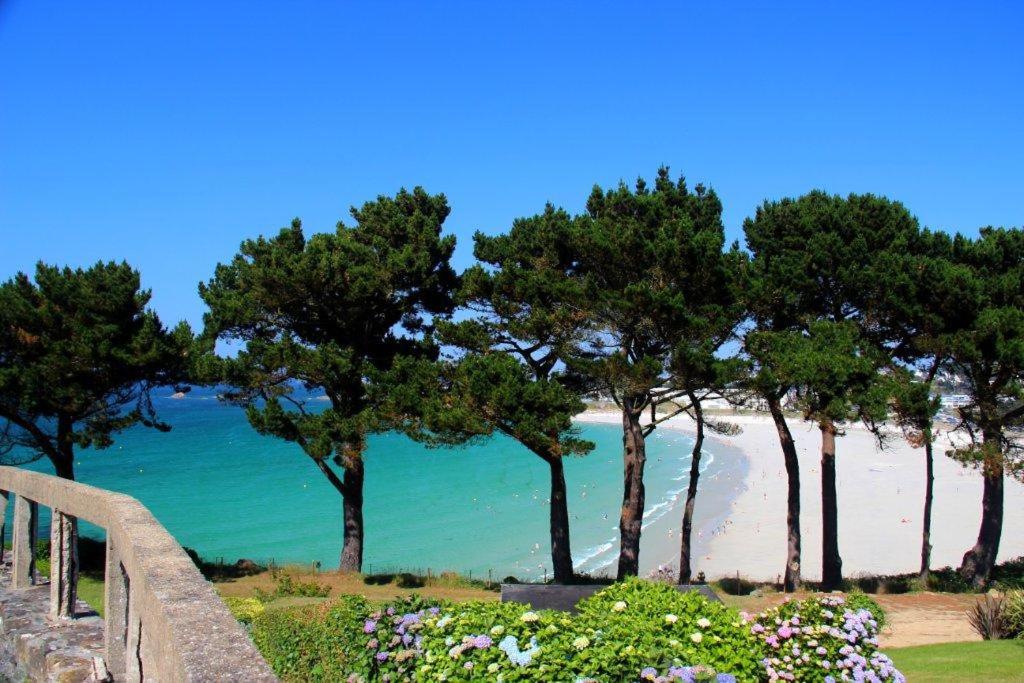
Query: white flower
(581, 643)
(529, 617)
(703, 622)
(671, 619)
(619, 606)
(497, 630)
(696, 637)
(493, 667)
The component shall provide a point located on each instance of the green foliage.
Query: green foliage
(857, 601)
(835, 370)
(525, 323)
(988, 349)
(79, 354)
(805, 640)
(636, 624)
(91, 590)
(618, 632)
(287, 586)
(986, 617)
(334, 313)
(246, 610)
(318, 643)
(1010, 574)
(1013, 614)
(823, 256)
(657, 284)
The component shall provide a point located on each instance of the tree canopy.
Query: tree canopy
(988, 353)
(333, 313)
(80, 352)
(651, 261)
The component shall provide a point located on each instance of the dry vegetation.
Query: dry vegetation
(374, 587)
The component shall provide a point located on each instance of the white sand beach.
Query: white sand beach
(880, 505)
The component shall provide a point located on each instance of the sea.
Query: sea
(482, 509)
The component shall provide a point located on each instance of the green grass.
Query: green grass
(990, 660)
(90, 589)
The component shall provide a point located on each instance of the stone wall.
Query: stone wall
(164, 621)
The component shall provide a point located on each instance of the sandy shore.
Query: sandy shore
(880, 505)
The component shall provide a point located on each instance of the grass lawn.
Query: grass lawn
(90, 589)
(990, 660)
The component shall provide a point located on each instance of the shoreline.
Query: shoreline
(718, 490)
(881, 494)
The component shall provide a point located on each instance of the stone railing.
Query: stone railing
(163, 620)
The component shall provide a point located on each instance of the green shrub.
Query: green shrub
(986, 617)
(479, 641)
(286, 586)
(810, 639)
(619, 632)
(1013, 614)
(645, 624)
(245, 609)
(317, 643)
(633, 630)
(856, 601)
(1010, 574)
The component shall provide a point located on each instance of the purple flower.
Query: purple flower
(369, 626)
(482, 642)
(785, 631)
(382, 656)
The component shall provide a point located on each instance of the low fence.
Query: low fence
(163, 620)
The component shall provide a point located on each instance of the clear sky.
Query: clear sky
(165, 133)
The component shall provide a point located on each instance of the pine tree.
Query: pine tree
(334, 313)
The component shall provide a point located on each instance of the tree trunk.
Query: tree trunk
(831, 562)
(561, 554)
(352, 507)
(979, 561)
(685, 560)
(792, 579)
(63, 540)
(928, 434)
(929, 487)
(634, 456)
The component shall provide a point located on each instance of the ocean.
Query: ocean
(229, 493)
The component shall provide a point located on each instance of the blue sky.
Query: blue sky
(165, 134)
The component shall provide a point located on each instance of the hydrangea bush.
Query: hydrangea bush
(822, 639)
(640, 625)
(633, 631)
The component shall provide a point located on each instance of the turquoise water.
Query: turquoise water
(228, 492)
